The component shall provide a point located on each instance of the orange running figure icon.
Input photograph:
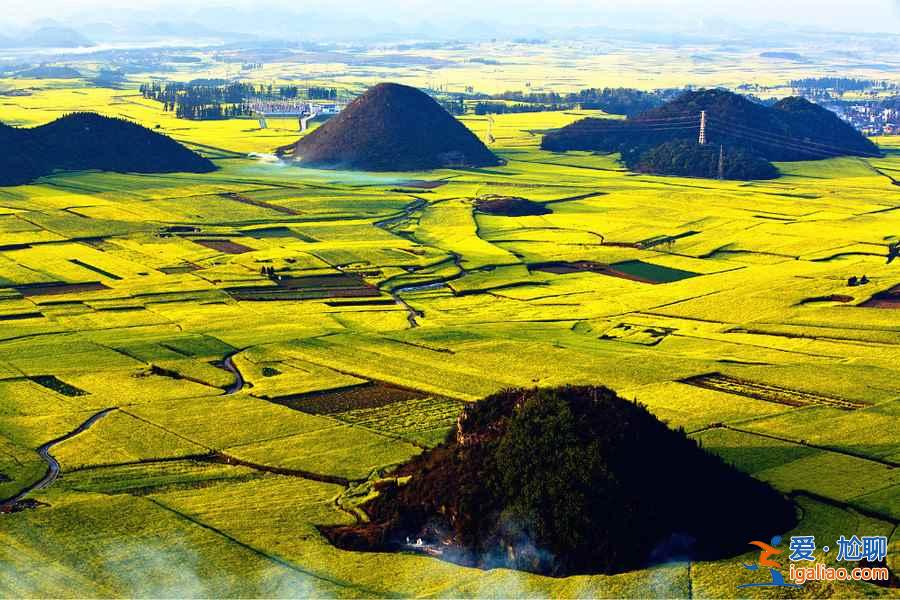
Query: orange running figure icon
(765, 552)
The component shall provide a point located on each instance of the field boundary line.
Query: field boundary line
(160, 427)
(275, 559)
(866, 512)
(885, 463)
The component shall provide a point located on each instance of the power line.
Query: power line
(627, 122)
(786, 139)
(605, 127)
(789, 139)
(723, 126)
(784, 145)
(721, 162)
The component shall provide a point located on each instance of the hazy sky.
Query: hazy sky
(855, 15)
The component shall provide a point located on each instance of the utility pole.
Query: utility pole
(721, 161)
(702, 140)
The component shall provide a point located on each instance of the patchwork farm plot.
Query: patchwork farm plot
(268, 339)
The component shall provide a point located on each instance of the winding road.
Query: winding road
(238, 384)
(52, 464)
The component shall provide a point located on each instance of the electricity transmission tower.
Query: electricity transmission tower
(702, 140)
(721, 161)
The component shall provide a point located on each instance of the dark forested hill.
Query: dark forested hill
(392, 127)
(83, 141)
(790, 130)
(563, 481)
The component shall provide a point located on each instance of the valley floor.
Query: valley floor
(243, 406)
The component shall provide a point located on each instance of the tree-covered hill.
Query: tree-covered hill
(392, 127)
(87, 141)
(563, 481)
(793, 129)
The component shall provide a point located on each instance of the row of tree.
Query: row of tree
(840, 84)
(209, 99)
(619, 101)
(500, 108)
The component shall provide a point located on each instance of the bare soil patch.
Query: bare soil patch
(422, 184)
(831, 298)
(338, 285)
(510, 206)
(51, 382)
(373, 394)
(886, 299)
(224, 246)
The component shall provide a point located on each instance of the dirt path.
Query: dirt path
(52, 464)
(238, 384)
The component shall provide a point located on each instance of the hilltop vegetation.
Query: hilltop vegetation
(88, 141)
(568, 480)
(688, 159)
(392, 127)
(793, 129)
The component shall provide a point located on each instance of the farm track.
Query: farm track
(768, 393)
(239, 382)
(53, 468)
(411, 313)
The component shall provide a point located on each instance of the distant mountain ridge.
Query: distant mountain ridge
(48, 36)
(88, 141)
(792, 129)
(392, 127)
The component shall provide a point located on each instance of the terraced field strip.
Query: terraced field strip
(663, 239)
(259, 203)
(364, 395)
(57, 287)
(313, 287)
(634, 270)
(224, 246)
(767, 392)
(21, 316)
(414, 416)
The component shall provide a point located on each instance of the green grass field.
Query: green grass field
(728, 278)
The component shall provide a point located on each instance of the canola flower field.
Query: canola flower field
(246, 407)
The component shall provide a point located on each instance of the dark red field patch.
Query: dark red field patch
(373, 394)
(886, 299)
(422, 184)
(338, 285)
(832, 298)
(224, 246)
(585, 266)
